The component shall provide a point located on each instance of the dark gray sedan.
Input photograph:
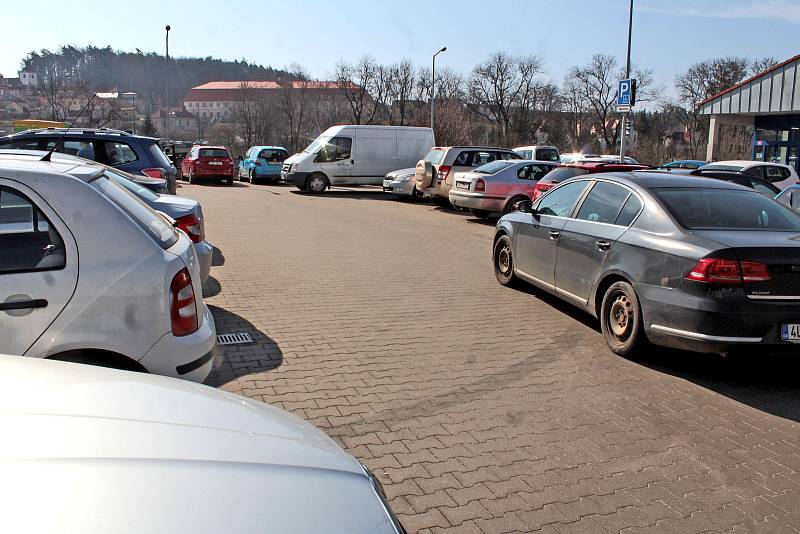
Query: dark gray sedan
(691, 263)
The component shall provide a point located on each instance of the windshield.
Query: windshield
(141, 192)
(710, 209)
(317, 143)
(493, 167)
(214, 153)
(435, 156)
(559, 174)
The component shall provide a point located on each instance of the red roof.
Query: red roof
(748, 80)
(230, 90)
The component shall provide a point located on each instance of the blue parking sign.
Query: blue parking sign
(626, 92)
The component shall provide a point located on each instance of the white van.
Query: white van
(356, 155)
(538, 152)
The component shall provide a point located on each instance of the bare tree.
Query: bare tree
(500, 84)
(355, 83)
(596, 84)
(761, 64)
(400, 90)
(293, 105)
(245, 113)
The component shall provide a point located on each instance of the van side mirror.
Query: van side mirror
(525, 206)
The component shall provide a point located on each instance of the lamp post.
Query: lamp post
(166, 88)
(433, 81)
(626, 116)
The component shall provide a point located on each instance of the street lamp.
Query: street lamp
(166, 88)
(433, 81)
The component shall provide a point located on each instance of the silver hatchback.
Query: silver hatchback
(496, 186)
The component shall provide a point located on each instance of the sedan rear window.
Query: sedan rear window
(435, 156)
(493, 167)
(559, 174)
(709, 209)
(213, 153)
(547, 154)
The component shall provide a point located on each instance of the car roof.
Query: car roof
(746, 163)
(653, 179)
(211, 146)
(30, 161)
(469, 147)
(89, 132)
(267, 147)
(596, 165)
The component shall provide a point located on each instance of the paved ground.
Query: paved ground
(481, 408)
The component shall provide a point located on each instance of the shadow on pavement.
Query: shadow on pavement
(211, 287)
(217, 257)
(234, 361)
(367, 194)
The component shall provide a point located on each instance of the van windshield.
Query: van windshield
(317, 143)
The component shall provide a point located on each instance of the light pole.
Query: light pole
(626, 116)
(166, 88)
(433, 81)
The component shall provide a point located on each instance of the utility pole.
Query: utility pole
(166, 88)
(433, 81)
(626, 116)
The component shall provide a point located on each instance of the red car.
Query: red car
(207, 162)
(578, 168)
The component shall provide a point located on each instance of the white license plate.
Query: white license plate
(461, 185)
(791, 332)
(215, 163)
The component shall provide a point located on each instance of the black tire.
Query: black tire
(621, 320)
(441, 202)
(503, 260)
(510, 204)
(316, 184)
(191, 178)
(251, 177)
(480, 214)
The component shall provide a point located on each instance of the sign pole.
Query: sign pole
(625, 117)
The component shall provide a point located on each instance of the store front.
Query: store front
(777, 139)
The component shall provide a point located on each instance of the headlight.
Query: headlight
(293, 167)
(376, 485)
(405, 177)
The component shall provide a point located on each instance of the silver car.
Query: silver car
(496, 186)
(401, 182)
(117, 451)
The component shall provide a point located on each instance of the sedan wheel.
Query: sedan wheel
(504, 261)
(621, 319)
(252, 176)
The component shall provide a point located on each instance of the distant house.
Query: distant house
(182, 124)
(218, 100)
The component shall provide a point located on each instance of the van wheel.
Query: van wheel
(504, 262)
(316, 183)
(621, 320)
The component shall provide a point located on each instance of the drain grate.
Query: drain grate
(237, 338)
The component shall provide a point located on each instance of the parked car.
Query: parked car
(682, 164)
(205, 161)
(128, 452)
(572, 157)
(661, 260)
(539, 153)
(781, 176)
(89, 273)
(186, 213)
(741, 178)
(401, 182)
(262, 162)
(497, 186)
(355, 155)
(570, 170)
(436, 171)
(790, 197)
(135, 154)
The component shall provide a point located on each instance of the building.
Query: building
(28, 79)
(770, 103)
(182, 124)
(218, 100)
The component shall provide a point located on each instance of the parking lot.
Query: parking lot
(482, 408)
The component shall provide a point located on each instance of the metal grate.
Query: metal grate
(234, 339)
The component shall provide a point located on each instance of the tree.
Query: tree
(355, 82)
(401, 87)
(596, 86)
(500, 84)
(245, 113)
(293, 105)
(148, 129)
(761, 64)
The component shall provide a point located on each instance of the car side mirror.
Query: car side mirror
(524, 206)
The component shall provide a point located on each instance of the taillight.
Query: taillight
(719, 271)
(258, 162)
(480, 185)
(192, 226)
(444, 171)
(154, 173)
(182, 306)
(540, 189)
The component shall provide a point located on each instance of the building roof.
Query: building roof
(774, 90)
(222, 91)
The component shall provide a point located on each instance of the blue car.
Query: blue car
(690, 164)
(262, 162)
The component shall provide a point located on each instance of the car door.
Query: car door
(538, 234)
(38, 266)
(525, 179)
(605, 213)
(246, 163)
(336, 159)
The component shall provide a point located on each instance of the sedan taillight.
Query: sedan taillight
(154, 173)
(192, 226)
(182, 306)
(541, 188)
(480, 185)
(719, 271)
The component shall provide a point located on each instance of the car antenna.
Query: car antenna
(47, 156)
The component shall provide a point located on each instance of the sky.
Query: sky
(668, 35)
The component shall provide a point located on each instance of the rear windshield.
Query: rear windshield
(547, 154)
(435, 156)
(273, 155)
(158, 155)
(122, 181)
(213, 153)
(150, 221)
(559, 174)
(710, 209)
(526, 154)
(493, 167)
